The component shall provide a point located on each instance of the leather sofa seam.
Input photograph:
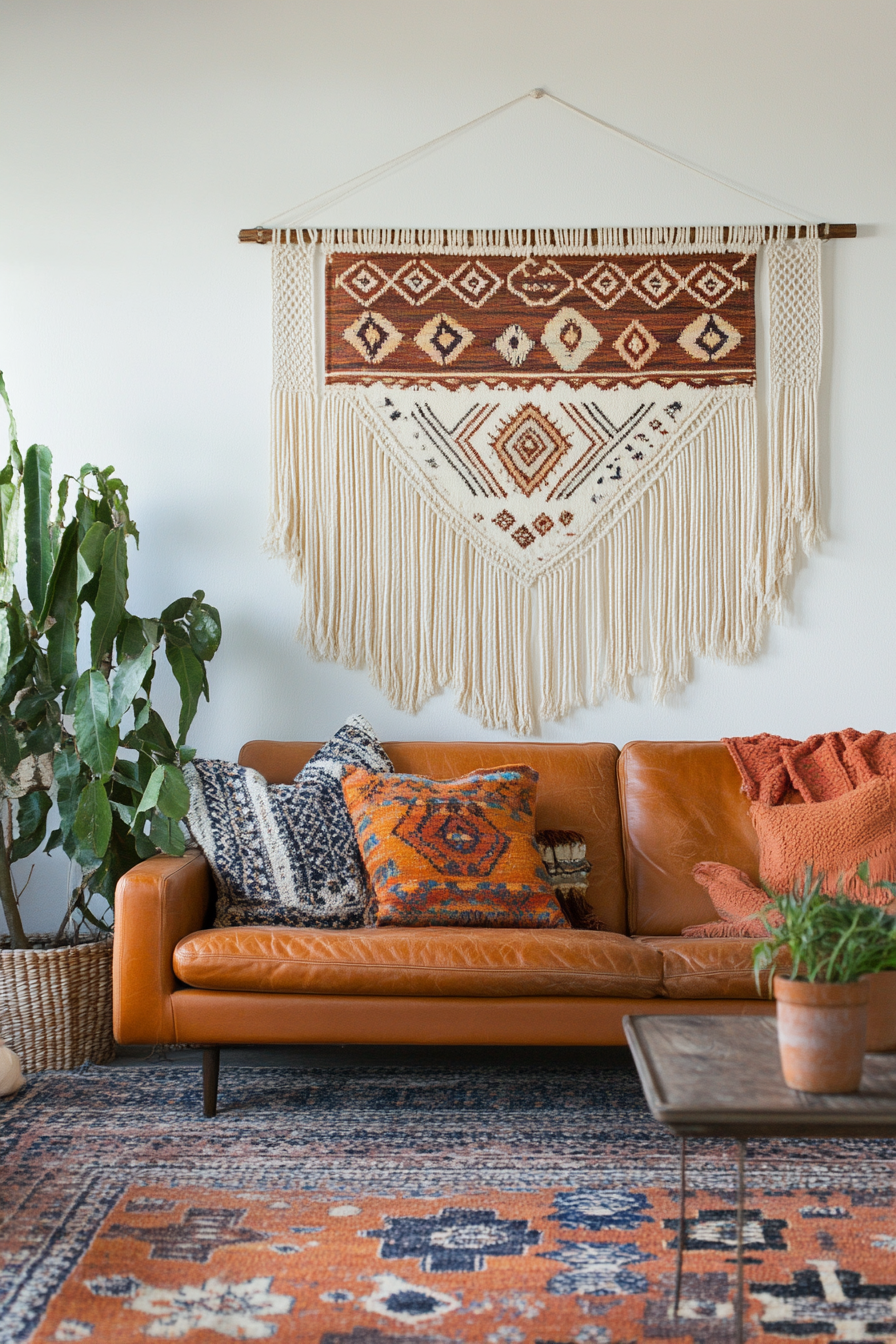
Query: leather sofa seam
(410, 966)
(472, 970)
(691, 975)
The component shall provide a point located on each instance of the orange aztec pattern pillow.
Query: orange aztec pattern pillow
(459, 851)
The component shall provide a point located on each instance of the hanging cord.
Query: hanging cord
(717, 178)
(300, 213)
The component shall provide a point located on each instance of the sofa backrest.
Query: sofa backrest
(576, 792)
(681, 805)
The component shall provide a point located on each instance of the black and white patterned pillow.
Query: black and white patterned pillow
(285, 853)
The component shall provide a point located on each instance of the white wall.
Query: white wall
(136, 139)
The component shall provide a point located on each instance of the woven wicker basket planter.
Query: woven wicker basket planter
(56, 1004)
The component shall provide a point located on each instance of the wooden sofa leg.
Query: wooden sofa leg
(211, 1060)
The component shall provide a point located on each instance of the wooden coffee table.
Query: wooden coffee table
(721, 1077)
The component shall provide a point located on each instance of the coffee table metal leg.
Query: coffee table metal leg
(739, 1301)
(679, 1256)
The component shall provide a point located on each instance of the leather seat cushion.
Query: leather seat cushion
(707, 968)
(477, 963)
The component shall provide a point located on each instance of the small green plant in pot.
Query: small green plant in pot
(78, 725)
(835, 947)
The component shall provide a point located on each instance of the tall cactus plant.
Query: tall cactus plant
(77, 721)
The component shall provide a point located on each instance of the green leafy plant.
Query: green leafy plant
(828, 938)
(83, 731)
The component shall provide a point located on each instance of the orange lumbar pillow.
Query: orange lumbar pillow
(732, 893)
(738, 901)
(459, 851)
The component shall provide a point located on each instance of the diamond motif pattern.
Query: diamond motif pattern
(443, 338)
(417, 281)
(605, 284)
(490, 320)
(456, 837)
(656, 283)
(570, 338)
(711, 284)
(514, 345)
(365, 281)
(709, 338)
(636, 345)
(529, 447)
(373, 336)
(474, 283)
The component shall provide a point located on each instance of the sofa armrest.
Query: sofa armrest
(156, 904)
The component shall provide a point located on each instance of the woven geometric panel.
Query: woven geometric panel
(446, 320)
(530, 397)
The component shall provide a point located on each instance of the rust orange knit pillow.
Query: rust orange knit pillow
(834, 837)
(457, 851)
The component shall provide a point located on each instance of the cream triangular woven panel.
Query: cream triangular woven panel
(478, 434)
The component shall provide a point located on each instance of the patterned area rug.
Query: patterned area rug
(418, 1206)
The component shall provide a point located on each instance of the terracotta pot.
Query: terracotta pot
(821, 1033)
(881, 1033)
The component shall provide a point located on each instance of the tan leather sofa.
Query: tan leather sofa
(648, 814)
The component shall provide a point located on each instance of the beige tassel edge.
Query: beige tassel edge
(389, 586)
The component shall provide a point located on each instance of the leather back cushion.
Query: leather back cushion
(681, 805)
(576, 792)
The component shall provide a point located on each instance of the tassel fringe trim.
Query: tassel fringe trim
(672, 239)
(390, 586)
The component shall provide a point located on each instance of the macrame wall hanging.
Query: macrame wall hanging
(525, 463)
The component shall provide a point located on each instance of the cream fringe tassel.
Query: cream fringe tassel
(389, 586)
(792, 515)
(673, 579)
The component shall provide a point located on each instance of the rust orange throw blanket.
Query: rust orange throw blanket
(820, 769)
(851, 779)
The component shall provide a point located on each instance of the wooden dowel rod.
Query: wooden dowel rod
(825, 231)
